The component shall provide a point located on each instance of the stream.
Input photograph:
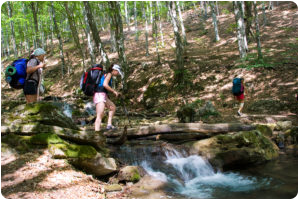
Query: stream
(191, 176)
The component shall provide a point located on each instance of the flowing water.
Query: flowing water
(191, 176)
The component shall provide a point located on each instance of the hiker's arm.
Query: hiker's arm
(30, 70)
(106, 85)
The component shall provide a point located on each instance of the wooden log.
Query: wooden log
(183, 128)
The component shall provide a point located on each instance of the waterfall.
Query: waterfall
(190, 176)
(67, 110)
(90, 108)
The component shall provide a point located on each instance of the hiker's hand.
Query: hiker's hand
(116, 93)
(42, 65)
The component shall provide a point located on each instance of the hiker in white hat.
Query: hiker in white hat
(101, 99)
(34, 68)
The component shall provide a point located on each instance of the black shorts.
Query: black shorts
(30, 87)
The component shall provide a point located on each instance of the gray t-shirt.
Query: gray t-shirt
(35, 75)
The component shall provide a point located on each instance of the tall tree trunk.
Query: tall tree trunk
(218, 12)
(156, 32)
(95, 34)
(205, 10)
(146, 29)
(270, 5)
(52, 32)
(126, 15)
(74, 32)
(160, 25)
(34, 9)
(117, 21)
(264, 13)
(215, 21)
(9, 6)
(26, 29)
(89, 39)
(56, 29)
(241, 35)
(248, 19)
(257, 34)
(178, 43)
(113, 44)
(181, 24)
(135, 23)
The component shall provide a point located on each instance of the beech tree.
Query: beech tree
(178, 42)
(257, 34)
(146, 29)
(9, 7)
(215, 21)
(241, 33)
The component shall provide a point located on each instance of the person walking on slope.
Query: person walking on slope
(238, 90)
(101, 98)
(34, 70)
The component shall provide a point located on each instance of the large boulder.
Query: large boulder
(234, 150)
(131, 173)
(39, 112)
(99, 165)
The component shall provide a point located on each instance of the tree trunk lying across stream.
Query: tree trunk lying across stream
(181, 130)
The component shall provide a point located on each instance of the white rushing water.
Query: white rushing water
(195, 177)
(67, 110)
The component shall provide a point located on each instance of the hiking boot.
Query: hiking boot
(239, 113)
(110, 127)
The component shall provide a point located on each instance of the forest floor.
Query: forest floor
(271, 88)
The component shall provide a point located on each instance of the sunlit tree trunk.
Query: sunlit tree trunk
(257, 34)
(181, 24)
(74, 32)
(135, 23)
(156, 32)
(117, 21)
(126, 14)
(241, 35)
(205, 10)
(113, 45)
(270, 5)
(9, 7)
(178, 43)
(89, 38)
(215, 21)
(264, 13)
(146, 29)
(160, 25)
(95, 34)
(59, 39)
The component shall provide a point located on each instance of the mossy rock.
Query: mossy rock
(45, 139)
(43, 113)
(264, 129)
(237, 149)
(21, 144)
(131, 173)
(72, 151)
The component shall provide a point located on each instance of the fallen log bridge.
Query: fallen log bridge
(180, 131)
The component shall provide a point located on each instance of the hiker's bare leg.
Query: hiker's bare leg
(112, 109)
(241, 105)
(100, 111)
(31, 98)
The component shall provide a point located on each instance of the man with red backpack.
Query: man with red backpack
(238, 90)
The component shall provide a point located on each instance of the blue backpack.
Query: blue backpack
(15, 74)
(237, 88)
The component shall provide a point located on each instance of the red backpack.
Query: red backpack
(90, 79)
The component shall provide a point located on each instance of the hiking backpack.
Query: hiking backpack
(90, 79)
(15, 73)
(237, 88)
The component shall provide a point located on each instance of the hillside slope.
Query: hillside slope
(210, 67)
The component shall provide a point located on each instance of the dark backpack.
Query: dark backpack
(237, 88)
(15, 73)
(90, 79)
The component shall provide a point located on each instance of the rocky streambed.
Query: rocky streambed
(194, 168)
